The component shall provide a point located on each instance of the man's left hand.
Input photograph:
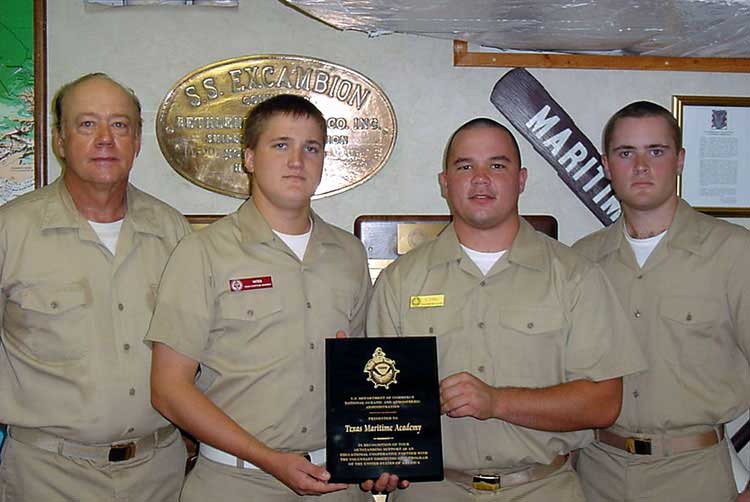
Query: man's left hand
(464, 395)
(386, 483)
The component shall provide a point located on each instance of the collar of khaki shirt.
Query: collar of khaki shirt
(254, 229)
(687, 232)
(525, 251)
(61, 212)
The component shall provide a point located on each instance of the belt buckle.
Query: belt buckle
(486, 482)
(122, 452)
(638, 446)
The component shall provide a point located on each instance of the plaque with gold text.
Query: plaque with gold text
(383, 409)
(199, 122)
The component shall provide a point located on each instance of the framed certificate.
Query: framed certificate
(716, 138)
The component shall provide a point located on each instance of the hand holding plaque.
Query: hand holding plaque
(383, 409)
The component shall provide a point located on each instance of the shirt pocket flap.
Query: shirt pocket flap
(532, 321)
(249, 306)
(689, 311)
(54, 300)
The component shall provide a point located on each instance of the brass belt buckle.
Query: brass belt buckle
(638, 446)
(122, 452)
(486, 482)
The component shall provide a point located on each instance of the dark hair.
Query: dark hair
(641, 109)
(481, 123)
(288, 104)
(57, 101)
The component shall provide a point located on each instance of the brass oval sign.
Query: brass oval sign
(199, 124)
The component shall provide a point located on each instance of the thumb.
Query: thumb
(341, 334)
(317, 471)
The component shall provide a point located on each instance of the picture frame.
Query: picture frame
(716, 137)
(388, 236)
(22, 98)
(40, 93)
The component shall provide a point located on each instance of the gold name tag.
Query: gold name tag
(423, 301)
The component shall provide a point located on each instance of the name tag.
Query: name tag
(250, 283)
(425, 301)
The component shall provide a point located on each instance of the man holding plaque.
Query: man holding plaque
(248, 302)
(684, 279)
(80, 261)
(532, 341)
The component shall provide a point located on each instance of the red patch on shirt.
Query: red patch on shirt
(236, 285)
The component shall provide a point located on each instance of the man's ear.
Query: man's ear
(57, 143)
(443, 185)
(605, 165)
(249, 157)
(523, 175)
(680, 161)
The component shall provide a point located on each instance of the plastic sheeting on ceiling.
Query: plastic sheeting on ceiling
(676, 28)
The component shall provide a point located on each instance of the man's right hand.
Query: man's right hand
(386, 483)
(301, 476)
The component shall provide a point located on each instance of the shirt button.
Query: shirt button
(637, 314)
(431, 330)
(483, 283)
(312, 346)
(250, 313)
(132, 391)
(481, 325)
(126, 346)
(53, 305)
(635, 394)
(530, 325)
(308, 305)
(304, 430)
(130, 429)
(481, 368)
(120, 307)
(488, 458)
(312, 388)
(639, 276)
(689, 317)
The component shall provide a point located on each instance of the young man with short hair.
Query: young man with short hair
(684, 280)
(250, 300)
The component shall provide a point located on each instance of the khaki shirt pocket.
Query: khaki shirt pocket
(151, 295)
(528, 346)
(343, 303)
(447, 326)
(691, 324)
(50, 322)
(248, 328)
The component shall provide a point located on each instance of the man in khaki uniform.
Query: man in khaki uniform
(684, 280)
(250, 300)
(80, 262)
(532, 341)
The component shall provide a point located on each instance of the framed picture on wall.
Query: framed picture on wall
(23, 111)
(716, 138)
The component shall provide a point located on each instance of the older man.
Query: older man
(684, 279)
(80, 262)
(532, 341)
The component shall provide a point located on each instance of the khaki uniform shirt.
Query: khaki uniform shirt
(72, 359)
(690, 308)
(542, 316)
(262, 349)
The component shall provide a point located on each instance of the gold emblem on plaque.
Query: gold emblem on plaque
(199, 122)
(380, 370)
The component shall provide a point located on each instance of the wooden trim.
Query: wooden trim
(40, 93)
(463, 57)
